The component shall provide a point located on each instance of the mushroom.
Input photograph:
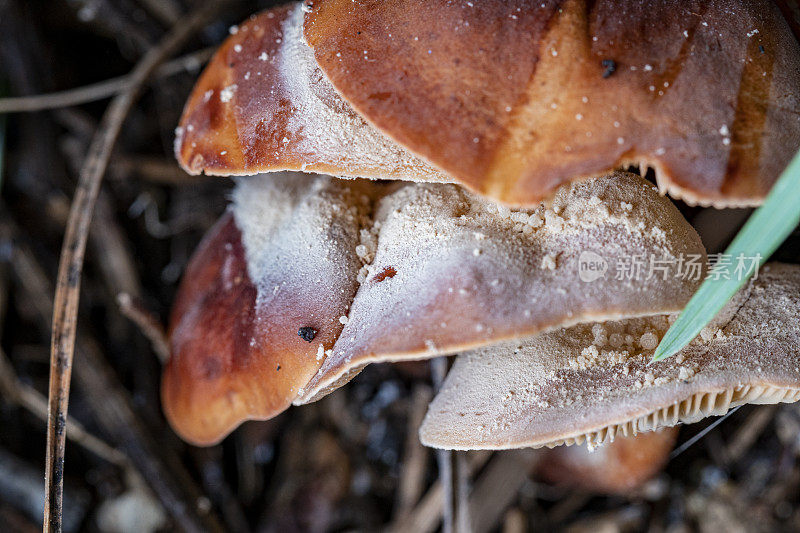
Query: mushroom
(616, 468)
(389, 272)
(446, 91)
(576, 385)
(308, 279)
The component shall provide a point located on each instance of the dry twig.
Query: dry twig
(166, 11)
(71, 263)
(428, 512)
(498, 486)
(412, 477)
(514, 521)
(30, 399)
(749, 431)
(452, 471)
(114, 411)
(148, 324)
(99, 90)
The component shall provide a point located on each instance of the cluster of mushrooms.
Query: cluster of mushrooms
(496, 224)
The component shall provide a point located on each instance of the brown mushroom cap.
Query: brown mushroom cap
(263, 105)
(514, 98)
(235, 349)
(614, 468)
(465, 273)
(414, 270)
(568, 387)
(703, 92)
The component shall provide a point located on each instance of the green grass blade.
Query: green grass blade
(764, 231)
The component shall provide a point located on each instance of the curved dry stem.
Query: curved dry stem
(71, 262)
(100, 90)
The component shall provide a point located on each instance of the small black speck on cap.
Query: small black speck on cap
(307, 333)
(610, 65)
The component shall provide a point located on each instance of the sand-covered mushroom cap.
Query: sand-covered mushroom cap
(452, 272)
(510, 99)
(262, 104)
(533, 94)
(582, 384)
(279, 263)
(386, 272)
